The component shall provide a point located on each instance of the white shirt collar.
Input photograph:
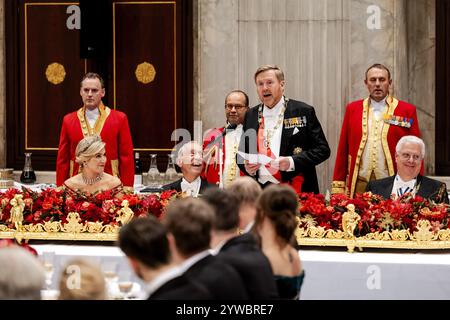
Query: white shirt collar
(214, 251)
(92, 115)
(378, 106)
(191, 188)
(411, 182)
(162, 279)
(189, 262)
(275, 111)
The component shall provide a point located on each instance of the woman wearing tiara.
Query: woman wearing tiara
(90, 155)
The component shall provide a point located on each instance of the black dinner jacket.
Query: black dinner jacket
(243, 253)
(428, 188)
(176, 185)
(181, 288)
(310, 139)
(221, 279)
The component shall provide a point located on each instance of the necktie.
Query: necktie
(402, 190)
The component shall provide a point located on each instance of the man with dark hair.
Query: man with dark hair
(144, 242)
(369, 133)
(240, 251)
(220, 145)
(95, 118)
(189, 222)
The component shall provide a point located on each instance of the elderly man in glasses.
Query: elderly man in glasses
(410, 151)
(220, 145)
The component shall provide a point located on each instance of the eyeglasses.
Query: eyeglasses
(407, 156)
(236, 106)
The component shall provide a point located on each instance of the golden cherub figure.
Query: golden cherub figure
(125, 214)
(18, 205)
(350, 220)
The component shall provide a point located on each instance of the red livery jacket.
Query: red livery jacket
(354, 134)
(114, 130)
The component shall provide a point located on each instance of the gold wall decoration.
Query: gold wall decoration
(55, 73)
(145, 72)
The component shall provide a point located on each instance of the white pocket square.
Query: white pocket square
(295, 131)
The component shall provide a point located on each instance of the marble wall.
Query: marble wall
(324, 47)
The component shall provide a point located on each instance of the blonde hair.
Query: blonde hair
(89, 286)
(278, 72)
(88, 148)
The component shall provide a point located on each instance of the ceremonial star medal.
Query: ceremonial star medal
(298, 150)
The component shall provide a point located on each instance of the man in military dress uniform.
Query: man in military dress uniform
(285, 131)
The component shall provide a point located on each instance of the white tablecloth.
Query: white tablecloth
(329, 274)
(373, 275)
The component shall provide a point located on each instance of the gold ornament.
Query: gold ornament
(125, 214)
(18, 205)
(55, 73)
(145, 72)
(298, 150)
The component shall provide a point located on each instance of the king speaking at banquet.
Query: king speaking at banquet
(96, 118)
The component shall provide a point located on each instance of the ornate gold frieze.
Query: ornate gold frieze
(423, 238)
(145, 72)
(55, 73)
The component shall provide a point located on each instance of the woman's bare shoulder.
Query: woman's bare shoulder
(73, 182)
(111, 181)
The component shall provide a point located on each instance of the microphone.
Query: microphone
(230, 127)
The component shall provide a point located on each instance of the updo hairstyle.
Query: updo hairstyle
(279, 204)
(88, 148)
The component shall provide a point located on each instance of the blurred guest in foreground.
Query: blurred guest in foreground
(276, 223)
(246, 190)
(144, 241)
(82, 280)
(22, 275)
(189, 222)
(409, 153)
(240, 251)
(90, 155)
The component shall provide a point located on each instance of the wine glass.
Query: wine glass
(48, 258)
(109, 269)
(125, 284)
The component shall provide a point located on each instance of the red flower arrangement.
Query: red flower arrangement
(377, 214)
(53, 204)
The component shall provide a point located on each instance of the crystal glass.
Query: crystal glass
(125, 284)
(153, 172)
(171, 173)
(28, 175)
(48, 260)
(110, 274)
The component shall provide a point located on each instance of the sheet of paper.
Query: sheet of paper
(255, 158)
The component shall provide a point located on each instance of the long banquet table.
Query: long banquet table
(330, 274)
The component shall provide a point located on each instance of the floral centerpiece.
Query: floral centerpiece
(373, 218)
(53, 211)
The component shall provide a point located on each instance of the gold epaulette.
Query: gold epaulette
(338, 187)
